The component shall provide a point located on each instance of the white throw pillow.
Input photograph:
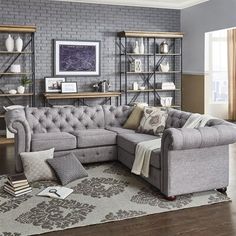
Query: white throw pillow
(35, 166)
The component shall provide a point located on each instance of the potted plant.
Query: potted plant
(24, 82)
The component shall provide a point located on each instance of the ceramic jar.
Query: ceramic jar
(15, 68)
(164, 47)
(164, 67)
(19, 44)
(135, 86)
(9, 43)
(20, 89)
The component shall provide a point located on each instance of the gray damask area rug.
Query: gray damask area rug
(110, 193)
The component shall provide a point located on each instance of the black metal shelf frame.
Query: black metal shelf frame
(153, 75)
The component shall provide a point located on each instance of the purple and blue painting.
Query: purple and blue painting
(77, 58)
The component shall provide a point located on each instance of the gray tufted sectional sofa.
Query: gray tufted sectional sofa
(190, 160)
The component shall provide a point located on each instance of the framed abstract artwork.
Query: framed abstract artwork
(76, 58)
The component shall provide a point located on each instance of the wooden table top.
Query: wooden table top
(81, 95)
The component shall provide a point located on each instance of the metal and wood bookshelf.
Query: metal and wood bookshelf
(26, 58)
(152, 58)
(12, 57)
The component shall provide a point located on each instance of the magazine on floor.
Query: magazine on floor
(56, 192)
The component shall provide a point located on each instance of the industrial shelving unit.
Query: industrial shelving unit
(27, 61)
(152, 58)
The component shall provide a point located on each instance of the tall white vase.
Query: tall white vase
(9, 43)
(19, 44)
(141, 46)
(136, 48)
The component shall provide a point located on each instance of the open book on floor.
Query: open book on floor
(56, 192)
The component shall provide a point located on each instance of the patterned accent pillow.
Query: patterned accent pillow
(68, 168)
(153, 121)
(36, 167)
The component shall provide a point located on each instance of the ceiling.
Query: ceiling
(172, 4)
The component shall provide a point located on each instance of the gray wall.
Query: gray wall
(195, 22)
(79, 21)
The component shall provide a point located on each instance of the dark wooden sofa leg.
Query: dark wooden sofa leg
(222, 190)
(170, 198)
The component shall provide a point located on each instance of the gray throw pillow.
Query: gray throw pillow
(35, 165)
(67, 168)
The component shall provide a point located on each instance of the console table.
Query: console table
(81, 96)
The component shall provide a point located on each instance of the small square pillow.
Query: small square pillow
(153, 121)
(134, 119)
(36, 167)
(68, 168)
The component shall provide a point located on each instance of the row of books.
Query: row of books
(17, 185)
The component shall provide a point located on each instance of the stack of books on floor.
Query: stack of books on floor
(17, 185)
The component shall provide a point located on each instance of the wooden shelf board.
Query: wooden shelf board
(138, 54)
(152, 72)
(15, 95)
(152, 90)
(145, 34)
(81, 95)
(151, 54)
(174, 106)
(168, 54)
(14, 52)
(10, 73)
(18, 28)
(168, 72)
(144, 72)
(4, 140)
(2, 115)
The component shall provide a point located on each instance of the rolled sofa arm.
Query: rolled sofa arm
(185, 138)
(16, 123)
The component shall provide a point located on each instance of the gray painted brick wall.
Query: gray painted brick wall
(79, 21)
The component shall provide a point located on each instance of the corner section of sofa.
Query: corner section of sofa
(195, 160)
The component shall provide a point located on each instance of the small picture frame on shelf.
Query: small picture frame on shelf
(69, 87)
(53, 84)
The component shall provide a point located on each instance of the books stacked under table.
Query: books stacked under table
(17, 185)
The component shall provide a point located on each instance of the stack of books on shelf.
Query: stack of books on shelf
(17, 185)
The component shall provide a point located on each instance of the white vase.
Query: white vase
(9, 43)
(21, 89)
(165, 67)
(19, 44)
(141, 46)
(136, 48)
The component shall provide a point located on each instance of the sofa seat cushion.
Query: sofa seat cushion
(128, 142)
(94, 138)
(120, 130)
(59, 140)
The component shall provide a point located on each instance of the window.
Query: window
(216, 66)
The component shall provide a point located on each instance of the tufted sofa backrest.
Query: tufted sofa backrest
(116, 116)
(47, 120)
(176, 118)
